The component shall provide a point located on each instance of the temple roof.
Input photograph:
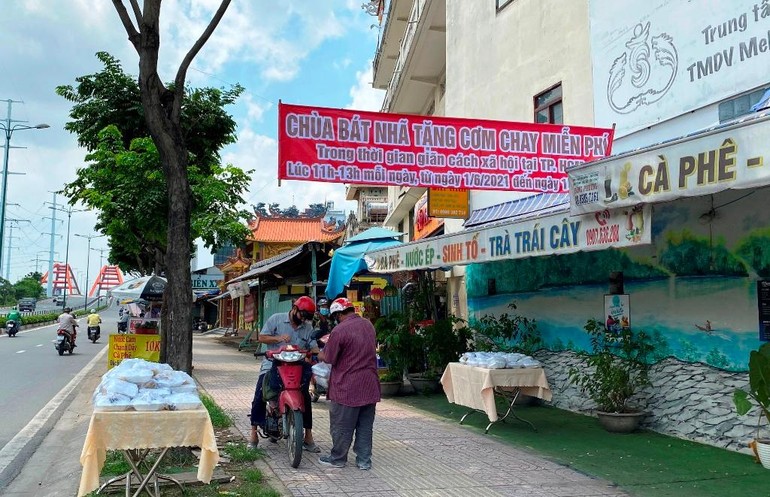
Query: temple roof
(293, 230)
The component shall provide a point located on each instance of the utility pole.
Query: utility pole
(37, 259)
(49, 284)
(88, 263)
(69, 212)
(11, 223)
(8, 128)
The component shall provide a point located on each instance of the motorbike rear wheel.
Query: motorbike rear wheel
(294, 436)
(60, 349)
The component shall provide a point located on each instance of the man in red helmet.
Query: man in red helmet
(354, 388)
(296, 328)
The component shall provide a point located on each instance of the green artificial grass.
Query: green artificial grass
(644, 464)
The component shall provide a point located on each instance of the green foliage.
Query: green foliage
(506, 333)
(219, 418)
(443, 342)
(534, 273)
(29, 286)
(239, 452)
(400, 348)
(124, 180)
(391, 375)
(616, 367)
(689, 255)
(759, 383)
(755, 251)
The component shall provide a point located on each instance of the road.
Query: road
(33, 372)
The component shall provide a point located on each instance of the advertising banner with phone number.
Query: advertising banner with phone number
(548, 235)
(371, 148)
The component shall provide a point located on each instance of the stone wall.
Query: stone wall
(692, 401)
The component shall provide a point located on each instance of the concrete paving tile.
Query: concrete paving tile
(415, 455)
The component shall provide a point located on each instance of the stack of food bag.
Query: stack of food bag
(499, 360)
(136, 384)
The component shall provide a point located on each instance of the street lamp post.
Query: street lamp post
(8, 128)
(88, 263)
(67, 252)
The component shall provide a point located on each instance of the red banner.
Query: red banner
(371, 148)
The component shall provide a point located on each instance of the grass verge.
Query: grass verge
(247, 481)
(644, 464)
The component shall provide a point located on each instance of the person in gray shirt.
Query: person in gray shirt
(294, 327)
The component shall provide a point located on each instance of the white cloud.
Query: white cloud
(363, 95)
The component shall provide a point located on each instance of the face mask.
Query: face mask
(324, 311)
(296, 319)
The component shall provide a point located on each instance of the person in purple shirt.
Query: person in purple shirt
(354, 387)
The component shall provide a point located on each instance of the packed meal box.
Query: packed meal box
(139, 385)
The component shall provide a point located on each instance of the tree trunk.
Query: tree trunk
(162, 112)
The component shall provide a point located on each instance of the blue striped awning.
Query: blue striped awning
(541, 204)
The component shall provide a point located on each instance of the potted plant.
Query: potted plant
(759, 391)
(390, 382)
(397, 347)
(613, 371)
(506, 333)
(442, 342)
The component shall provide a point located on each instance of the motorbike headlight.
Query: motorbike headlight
(290, 356)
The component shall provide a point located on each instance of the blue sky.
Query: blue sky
(304, 52)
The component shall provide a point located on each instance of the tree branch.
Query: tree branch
(182, 72)
(133, 34)
(137, 12)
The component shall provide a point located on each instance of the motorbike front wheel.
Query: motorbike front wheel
(294, 436)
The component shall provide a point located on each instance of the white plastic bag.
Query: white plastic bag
(322, 370)
(183, 401)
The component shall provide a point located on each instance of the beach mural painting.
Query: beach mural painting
(694, 288)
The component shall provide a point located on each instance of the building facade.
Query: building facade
(654, 71)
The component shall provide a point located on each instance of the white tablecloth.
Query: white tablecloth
(146, 430)
(474, 387)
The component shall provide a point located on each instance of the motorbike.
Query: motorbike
(63, 342)
(200, 325)
(285, 413)
(93, 333)
(122, 327)
(11, 327)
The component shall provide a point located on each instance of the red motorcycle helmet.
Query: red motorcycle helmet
(305, 303)
(340, 305)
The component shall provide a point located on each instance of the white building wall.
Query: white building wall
(498, 61)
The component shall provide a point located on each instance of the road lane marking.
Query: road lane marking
(20, 351)
(39, 345)
(13, 448)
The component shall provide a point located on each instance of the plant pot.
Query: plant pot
(422, 384)
(763, 451)
(620, 422)
(390, 388)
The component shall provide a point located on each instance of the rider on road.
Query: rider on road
(13, 315)
(68, 323)
(94, 319)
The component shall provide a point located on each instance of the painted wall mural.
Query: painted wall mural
(694, 288)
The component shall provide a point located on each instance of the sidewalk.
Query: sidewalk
(414, 454)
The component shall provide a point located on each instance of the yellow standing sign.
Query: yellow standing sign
(133, 346)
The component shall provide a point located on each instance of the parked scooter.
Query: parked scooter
(286, 407)
(63, 342)
(93, 333)
(122, 327)
(11, 327)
